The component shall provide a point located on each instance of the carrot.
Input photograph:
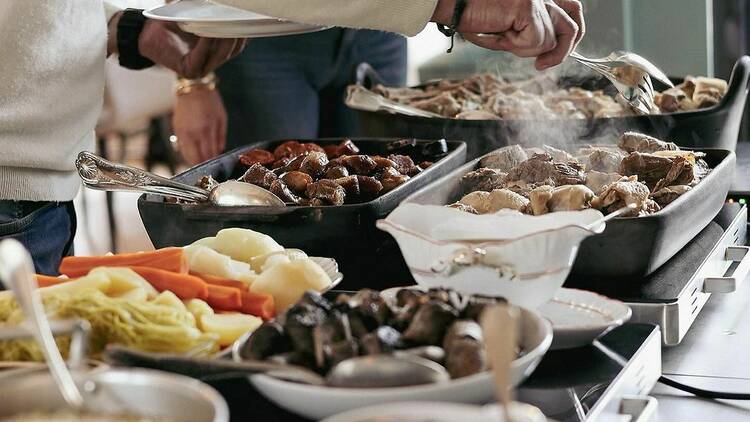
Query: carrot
(222, 298)
(46, 280)
(168, 259)
(185, 286)
(258, 304)
(219, 281)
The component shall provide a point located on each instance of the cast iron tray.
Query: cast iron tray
(628, 247)
(366, 255)
(714, 127)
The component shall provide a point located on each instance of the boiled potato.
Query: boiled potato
(208, 242)
(168, 298)
(229, 327)
(123, 280)
(286, 282)
(202, 259)
(259, 262)
(243, 244)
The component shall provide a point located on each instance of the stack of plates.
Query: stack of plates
(207, 19)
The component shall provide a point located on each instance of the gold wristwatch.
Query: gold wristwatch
(184, 86)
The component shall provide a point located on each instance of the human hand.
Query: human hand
(188, 55)
(526, 28)
(199, 121)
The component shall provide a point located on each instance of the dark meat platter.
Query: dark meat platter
(305, 173)
(317, 333)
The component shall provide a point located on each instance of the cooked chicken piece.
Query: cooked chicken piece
(490, 202)
(484, 179)
(708, 91)
(443, 104)
(570, 198)
(667, 195)
(596, 180)
(558, 154)
(674, 99)
(504, 158)
(504, 198)
(463, 207)
(638, 142)
(540, 169)
(603, 161)
(539, 197)
(479, 200)
(648, 167)
(624, 192)
(681, 173)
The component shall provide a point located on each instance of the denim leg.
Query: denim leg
(386, 52)
(270, 90)
(47, 232)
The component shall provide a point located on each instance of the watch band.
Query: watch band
(450, 31)
(129, 29)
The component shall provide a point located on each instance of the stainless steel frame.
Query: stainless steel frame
(722, 272)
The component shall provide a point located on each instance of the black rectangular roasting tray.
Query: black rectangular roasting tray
(713, 127)
(346, 233)
(634, 246)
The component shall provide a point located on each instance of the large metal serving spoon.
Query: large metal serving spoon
(375, 371)
(499, 333)
(98, 173)
(16, 272)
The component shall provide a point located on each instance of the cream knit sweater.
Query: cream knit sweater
(52, 56)
(406, 17)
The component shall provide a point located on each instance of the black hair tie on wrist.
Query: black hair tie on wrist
(129, 29)
(450, 31)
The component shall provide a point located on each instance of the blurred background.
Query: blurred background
(683, 37)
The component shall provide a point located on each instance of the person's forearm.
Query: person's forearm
(406, 17)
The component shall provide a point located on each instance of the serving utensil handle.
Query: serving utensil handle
(499, 333)
(98, 173)
(208, 368)
(16, 272)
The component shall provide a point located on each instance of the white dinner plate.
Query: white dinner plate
(319, 402)
(439, 412)
(579, 317)
(202, 17)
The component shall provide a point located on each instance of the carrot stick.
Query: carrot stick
(168, 259)
(219, 281)
(222, 298)
(185, 286)
(46, 280)
(258, 304)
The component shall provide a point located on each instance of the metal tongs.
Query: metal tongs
(631, 75)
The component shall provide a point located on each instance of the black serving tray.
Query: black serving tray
(630, 247)
(347, 233)
(713, 127)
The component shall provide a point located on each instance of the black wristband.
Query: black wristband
(129, 29)
(450, 31)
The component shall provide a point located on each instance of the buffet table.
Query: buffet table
(713, 353)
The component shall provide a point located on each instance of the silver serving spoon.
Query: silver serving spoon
(98, 173)
(361, 98)
(16, 272)
(381, 371)
(360, 372)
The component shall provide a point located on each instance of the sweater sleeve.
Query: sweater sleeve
(406, 17)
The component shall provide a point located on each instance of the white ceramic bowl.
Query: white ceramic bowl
(316, 402)
(440, 412)
(523, 258)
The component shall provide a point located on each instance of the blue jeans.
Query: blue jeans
(46, 229)
(294, 87)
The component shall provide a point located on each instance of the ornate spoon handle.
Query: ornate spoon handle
(98, 173)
